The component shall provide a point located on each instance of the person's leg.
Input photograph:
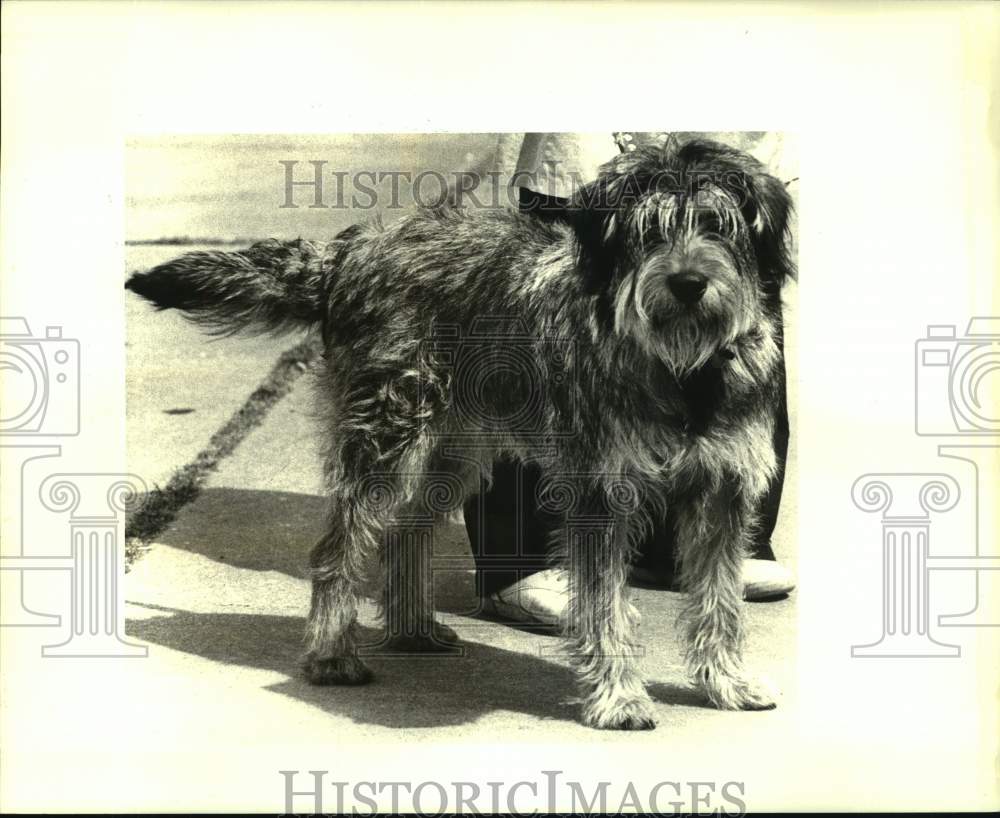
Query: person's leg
(509, 535)
(763, 576)
(772, 500)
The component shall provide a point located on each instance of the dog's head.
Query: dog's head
(685, 248)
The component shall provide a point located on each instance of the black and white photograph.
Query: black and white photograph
(366, 454)
(591, 380)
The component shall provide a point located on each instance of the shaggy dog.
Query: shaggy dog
(632, 352)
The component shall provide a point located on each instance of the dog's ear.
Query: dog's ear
(767, 210)
(597, 212)
(597, 233)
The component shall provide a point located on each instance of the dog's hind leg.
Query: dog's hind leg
(377, 454)
(338, 564)
(713, 534)
(601, 627)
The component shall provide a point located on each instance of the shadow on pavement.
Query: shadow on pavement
(408, 692)
(273, 530)
(251, 529)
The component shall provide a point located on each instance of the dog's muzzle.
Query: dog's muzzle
(688, 288)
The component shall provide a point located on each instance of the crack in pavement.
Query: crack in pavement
(161, 505)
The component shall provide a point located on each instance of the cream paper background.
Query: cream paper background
(895, 113)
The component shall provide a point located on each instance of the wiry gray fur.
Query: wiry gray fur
(452, 336)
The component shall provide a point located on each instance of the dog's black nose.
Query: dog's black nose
(688, 288)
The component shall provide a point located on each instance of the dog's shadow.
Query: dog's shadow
(408, 691)
(273, 531)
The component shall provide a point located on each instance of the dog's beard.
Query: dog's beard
(685, 337)
(687, 343)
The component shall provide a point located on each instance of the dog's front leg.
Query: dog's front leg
(713, 532)
(601, 627)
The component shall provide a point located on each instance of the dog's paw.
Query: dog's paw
(743, 692)
(624, 714)
(441, 639)
(336, 670)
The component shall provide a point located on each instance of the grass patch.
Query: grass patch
(162, 504)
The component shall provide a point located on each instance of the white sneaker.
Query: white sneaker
(539, 598)
(764, 579)
(542, 598)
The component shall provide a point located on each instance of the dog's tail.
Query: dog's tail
(273, 286)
